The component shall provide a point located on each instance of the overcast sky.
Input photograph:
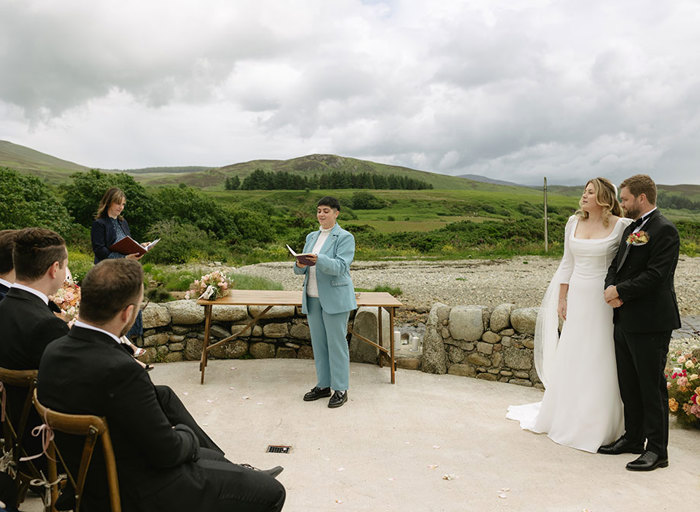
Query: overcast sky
(510, 89)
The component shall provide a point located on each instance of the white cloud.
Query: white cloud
(515, 89)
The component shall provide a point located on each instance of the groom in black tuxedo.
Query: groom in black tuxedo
(639, 285)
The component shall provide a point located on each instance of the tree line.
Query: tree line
(283, 180)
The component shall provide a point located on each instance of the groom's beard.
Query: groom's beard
(632, 213)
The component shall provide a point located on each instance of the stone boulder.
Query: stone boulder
(366, 324)
(467, 322)
(155, 315)
(524, 320)
(500, 318)
(439, 315)
(275, 330)
(233, 349)
(300, 332)
(262, 350)
(518, 359)
(275, 311)
(185, 312)
(229, 313)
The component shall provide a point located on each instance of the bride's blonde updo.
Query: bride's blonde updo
(606, 197)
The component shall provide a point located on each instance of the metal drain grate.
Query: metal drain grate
(278, 449)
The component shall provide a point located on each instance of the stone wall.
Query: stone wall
(471, 341)
(174, 331)
(474, 341)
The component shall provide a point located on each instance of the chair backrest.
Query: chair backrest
(22, 472)
(92, 428)
(20, 379)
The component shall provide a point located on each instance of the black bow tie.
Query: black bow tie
(637, 223)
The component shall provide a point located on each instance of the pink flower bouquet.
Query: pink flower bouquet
(210, 286)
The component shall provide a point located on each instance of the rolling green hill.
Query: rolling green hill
(35, 163)
(309, 165)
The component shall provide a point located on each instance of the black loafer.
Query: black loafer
(622, 445)
(317, 393)
(648, 461)
(273, 472)
(338, 399)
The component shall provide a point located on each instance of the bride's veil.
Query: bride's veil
(547, 326)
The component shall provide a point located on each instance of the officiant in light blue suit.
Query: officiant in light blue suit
(328, 298)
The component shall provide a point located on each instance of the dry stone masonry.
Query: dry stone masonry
(471, 341)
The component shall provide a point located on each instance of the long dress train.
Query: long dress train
(581, 407)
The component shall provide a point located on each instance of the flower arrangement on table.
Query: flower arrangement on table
(683, 385)
(68, 299)
(210, 286)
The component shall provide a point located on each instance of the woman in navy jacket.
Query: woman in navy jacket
(328, 298)
(107, 229)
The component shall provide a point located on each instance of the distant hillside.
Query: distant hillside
(312, 164)
(484, 179)
(30, 161)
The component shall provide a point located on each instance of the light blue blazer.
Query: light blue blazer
(335, 289)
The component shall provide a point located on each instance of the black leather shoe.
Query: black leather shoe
(622, 445)
(273, 472)
(317, 393)
(338, 399)
(648, 461)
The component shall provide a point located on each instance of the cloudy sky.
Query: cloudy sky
(510, 89)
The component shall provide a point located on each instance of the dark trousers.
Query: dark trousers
(239, 488)
(641, 361)
(177, 413)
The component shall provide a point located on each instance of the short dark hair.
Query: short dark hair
(109, 287)
(35, 250)
(7, 243)
(329, 201)
(641, 184)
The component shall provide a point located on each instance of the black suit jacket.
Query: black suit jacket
(27, 326)
(103, 235)
(87, 372)
(3, 291)
(644, 275)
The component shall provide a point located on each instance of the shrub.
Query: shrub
(366, 201)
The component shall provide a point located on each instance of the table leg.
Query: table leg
(205, 352)
(391, 341)
(381, 336)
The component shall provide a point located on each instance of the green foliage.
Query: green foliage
(247, 282)
(79, 263)
(82, 198)
(366, 201)
(189, 206)
(29, 202)
(232, 183)
(393, 290)
(181, 243)
(283, 180)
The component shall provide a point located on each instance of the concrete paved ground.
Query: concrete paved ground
(389, 447)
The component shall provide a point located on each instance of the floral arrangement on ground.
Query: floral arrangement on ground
(683, 385)
(210, 286)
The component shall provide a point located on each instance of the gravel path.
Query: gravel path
(521, 280)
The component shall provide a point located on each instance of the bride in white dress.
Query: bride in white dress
(581, 406)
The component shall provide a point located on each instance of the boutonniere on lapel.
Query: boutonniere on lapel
(638, 238)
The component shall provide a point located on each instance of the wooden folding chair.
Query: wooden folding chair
(92, 428)
(22, 472)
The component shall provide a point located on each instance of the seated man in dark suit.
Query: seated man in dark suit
(27, 323)
(7, 269)
(161, 466)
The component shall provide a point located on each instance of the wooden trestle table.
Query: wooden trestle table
(271, 298)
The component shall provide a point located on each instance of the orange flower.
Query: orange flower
(672, 404)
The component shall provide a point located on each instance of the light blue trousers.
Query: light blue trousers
(331, 353)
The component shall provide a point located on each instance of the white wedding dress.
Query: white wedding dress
(581, 407)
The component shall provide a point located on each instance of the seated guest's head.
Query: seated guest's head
(7, 243)
(111, 294)
(40, 259)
